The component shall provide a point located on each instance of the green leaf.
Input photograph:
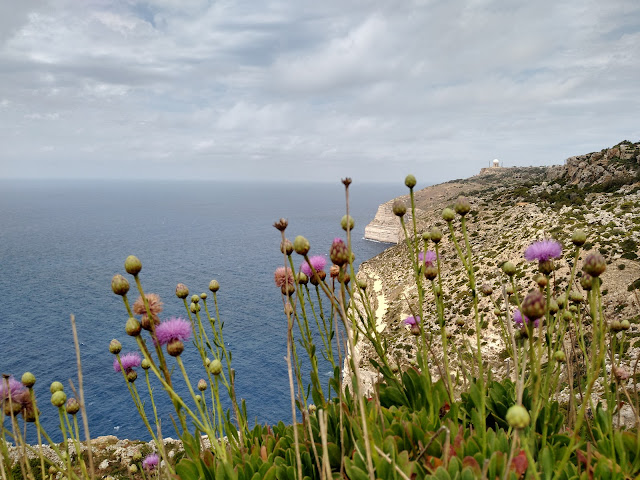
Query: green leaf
(187, 470)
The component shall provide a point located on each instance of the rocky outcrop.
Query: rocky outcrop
(616, 165)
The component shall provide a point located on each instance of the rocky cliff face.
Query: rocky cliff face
(511, 208)
(609, 167)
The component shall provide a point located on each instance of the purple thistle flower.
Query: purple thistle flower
(173, 329)
(129, 361)
(14, 389)
(543, 250)
(318, 262)
(150, 462)
(428, 257)
(411, 321)
(520, 320)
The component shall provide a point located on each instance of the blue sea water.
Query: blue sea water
(62, 241)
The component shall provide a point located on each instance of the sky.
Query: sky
(306, 90)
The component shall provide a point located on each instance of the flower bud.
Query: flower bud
(361, 284)
(562, 300)
(448, 214)
(72, 407)
(430, 272)
(133, 265)
(545, 267)
(586, 281)
(399, 208)
(194, 307)
(215, 367)
(301, 245)
(460, 321)
(133, 327)
(415, 329)
(145, 364)
(203, 296)
(115, 346)
(133, 469)
(56, 387)
(28, 379)
(625, 324)
(509, 289)
(175, 347)
(486, 289)
(119, 285)
(214, 286)
(182, 291)
(462, 206)
(195, 298)
(281, 224)
(302, 278)
(426, 236)
(436, 235)
(518, 417)
(410, 181)
(579, 238)
(347, 220)
(339, 253)
(286, 246)
(594, 264)
(621, 373)
(288, 309)
(58, 398)
(509, 269)
(575, 296)
(534, 305)
(288, 289)
(131, 376)
(541, 280)
(615, 326)
(553, 306)
(202, 384)
(136, 457)
(560, 356)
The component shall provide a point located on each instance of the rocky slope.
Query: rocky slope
(511, 208)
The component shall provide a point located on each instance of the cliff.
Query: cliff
(511, 208)
(613, 166)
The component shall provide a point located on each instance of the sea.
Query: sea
(62, 241)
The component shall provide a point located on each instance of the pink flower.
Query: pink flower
(411, 321)
(520, 320)
(428, 257)
(173, 329)
(129, 361)
(543, 250)
(318, 262)
(15, 388)
(283, 275)
(150, 462)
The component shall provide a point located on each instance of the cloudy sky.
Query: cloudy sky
(314, 90)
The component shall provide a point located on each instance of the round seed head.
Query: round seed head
(462, 206)
(133, 265)
(509, 269)
(28, 379)
(448, 214)
(347, 221)
(436, 235)
(301, 245)
(410, 181)
(72, 407)
(518, 417)
(119, 285)
(534, 305)
(286, 246)
(579, 238)
(399, 208)
(115, 346)
(56, 387)
(215, 367)
(58, 398)
(594, 264)
(133, 327)
(182, 291)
